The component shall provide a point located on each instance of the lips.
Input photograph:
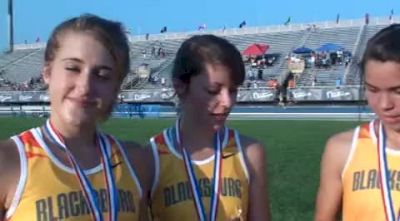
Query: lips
(82, 101)
(220, 116)
(391, 119)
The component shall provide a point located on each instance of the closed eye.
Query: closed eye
(103, 74)
(213, 92)
(371, 88)
(72, 69)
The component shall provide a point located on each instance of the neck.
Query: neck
(392, 137)
(195, 136)
(75, 135)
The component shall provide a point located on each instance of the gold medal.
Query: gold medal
(238, 216)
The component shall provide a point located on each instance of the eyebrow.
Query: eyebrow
(390, 88)
(368, 84)
(80, 61)
(72, 59)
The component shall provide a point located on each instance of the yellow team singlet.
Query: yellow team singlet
(48, 190)
(171, 194)
(362, 198)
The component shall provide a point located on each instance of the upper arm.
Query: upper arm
(329, 195)
(10, 173)
(141, 160)
(258, 194)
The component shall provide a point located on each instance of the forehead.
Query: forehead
(83, 46)
(384, 74)
(214, 73)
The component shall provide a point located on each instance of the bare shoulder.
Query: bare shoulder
(9, 170)
(9, 159)
(252, 147)
(333, 161)
(342, 139)
(134, 148)
(337, 149)
(254, 154)
(340, 142)
(139, 155)
(141, 159)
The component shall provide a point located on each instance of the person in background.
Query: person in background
(359, 177)
(203, 169)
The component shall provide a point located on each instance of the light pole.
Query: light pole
(10, 16)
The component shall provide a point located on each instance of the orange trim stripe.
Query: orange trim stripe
(28, 138)
(33, 155)
(364, 131)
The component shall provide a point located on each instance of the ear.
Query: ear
(46, 70)
(180, 87)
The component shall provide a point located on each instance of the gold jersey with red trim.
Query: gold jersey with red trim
(171, 194)
(362, 199)
(49, 190)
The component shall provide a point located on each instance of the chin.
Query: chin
(79, 118)
(393, 126)
(217, 126)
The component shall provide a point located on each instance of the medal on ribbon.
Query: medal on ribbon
(384, 176)
(91, 198)
(216, 179)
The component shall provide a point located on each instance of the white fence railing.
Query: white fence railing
(247, 30)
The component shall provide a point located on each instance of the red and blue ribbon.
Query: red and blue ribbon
(91, 196)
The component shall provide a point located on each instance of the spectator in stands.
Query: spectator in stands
(359, 167)
(275, 84)
(206, 74)
(144, 53)
(270, 83)
(291, 84)
(339, 54)
(314, 81)
(260, 74)
(338, 82)
(153, 51)
(85, 61)
(163, 81)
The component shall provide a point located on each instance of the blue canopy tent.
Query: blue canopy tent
(302, 50)
(330, 47)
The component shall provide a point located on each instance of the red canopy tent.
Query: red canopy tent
(256, 49)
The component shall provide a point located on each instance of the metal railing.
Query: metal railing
(247, 30)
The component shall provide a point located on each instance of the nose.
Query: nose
(386, 101)
(83, 84)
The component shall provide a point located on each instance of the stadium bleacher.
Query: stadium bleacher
(156, 54)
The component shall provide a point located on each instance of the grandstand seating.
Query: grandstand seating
(353, 77)
(23, 64)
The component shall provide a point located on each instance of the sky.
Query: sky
(36, 18)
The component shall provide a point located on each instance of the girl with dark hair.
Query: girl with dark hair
(203, 169)
(360, 168)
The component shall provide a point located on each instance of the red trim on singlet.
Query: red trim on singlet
(364, 131)
(159, 139)
(162, 147)
(28, 138)
(32, 155)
